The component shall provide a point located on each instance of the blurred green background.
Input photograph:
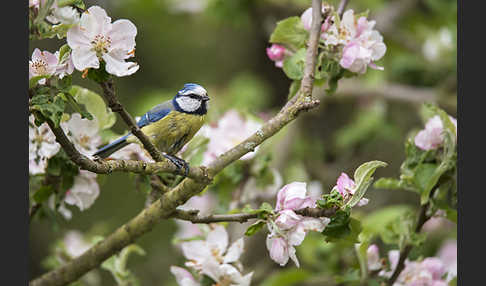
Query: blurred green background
(221, 45)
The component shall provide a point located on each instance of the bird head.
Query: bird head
(192, 98)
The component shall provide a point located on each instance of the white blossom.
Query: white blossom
(95, 38)
(84, 191)
(42, 146)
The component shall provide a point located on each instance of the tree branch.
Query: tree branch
(166, 205)
(134, 166)
(192, 215)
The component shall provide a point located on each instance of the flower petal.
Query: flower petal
(218, 239)
(122, 35)
(95, 21)
(77, 38)
(195, 250)
(117, 66)
(83, 58)
(183, 277)
(278, 250)
(234, 252)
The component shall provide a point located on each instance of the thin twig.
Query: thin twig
(406, 250)
(192, 215)
(133, 166)
(166, 205)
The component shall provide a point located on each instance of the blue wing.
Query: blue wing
(156, 113)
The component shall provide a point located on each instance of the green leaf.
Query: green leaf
(290, 32)
(293, 66)
(64, 52)
(363, 179)
(94, 105)
(100, 74)
(43, 193)
(423, 177)
(254, 228)
(287, 277)
(266, 207)
(50, 107)
(34, 80)
(116, 265)
(81, 109)
(342, 228)
(375, 223)
(388, 183)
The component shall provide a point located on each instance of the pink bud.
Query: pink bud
(276, 52)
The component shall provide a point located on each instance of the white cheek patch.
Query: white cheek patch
(188, 104)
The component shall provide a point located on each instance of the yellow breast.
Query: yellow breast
(173, 131)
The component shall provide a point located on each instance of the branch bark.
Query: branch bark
(192, 215)
(134, 166)
(166, 205)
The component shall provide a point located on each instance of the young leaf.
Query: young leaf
(290, 32)
(50, 107)
(254, 228)
(363, 179)
(293, 66)
(94, 105)
(34, 80)
(43, 193)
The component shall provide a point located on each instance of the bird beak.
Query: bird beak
(205, 98)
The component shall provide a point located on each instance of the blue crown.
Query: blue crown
(192, 88)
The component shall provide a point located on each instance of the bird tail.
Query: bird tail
(112, 147)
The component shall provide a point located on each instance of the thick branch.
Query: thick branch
(166, 205)
(115, 105)
(192, 215)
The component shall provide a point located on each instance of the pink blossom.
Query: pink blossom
(84, 191)
(431, 137)
(42, 63)
(345, 185)
(448, 255)
(293, 196)
(276, 52)
(230, 130)
(95, 38)
(289, 229)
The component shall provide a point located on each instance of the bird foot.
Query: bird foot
(179, 163)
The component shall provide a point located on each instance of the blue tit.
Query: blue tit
(169, 125)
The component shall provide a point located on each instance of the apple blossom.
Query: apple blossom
(230, 130)
(95, 38)
(213, 258)
(289, 229)
(42, 146)
(62, 209)
(277, 54)
(42, 63)
(83, 133)
(346, 187)
(431, 137)
(84, 191)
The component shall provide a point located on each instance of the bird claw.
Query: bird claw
(179, 163)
